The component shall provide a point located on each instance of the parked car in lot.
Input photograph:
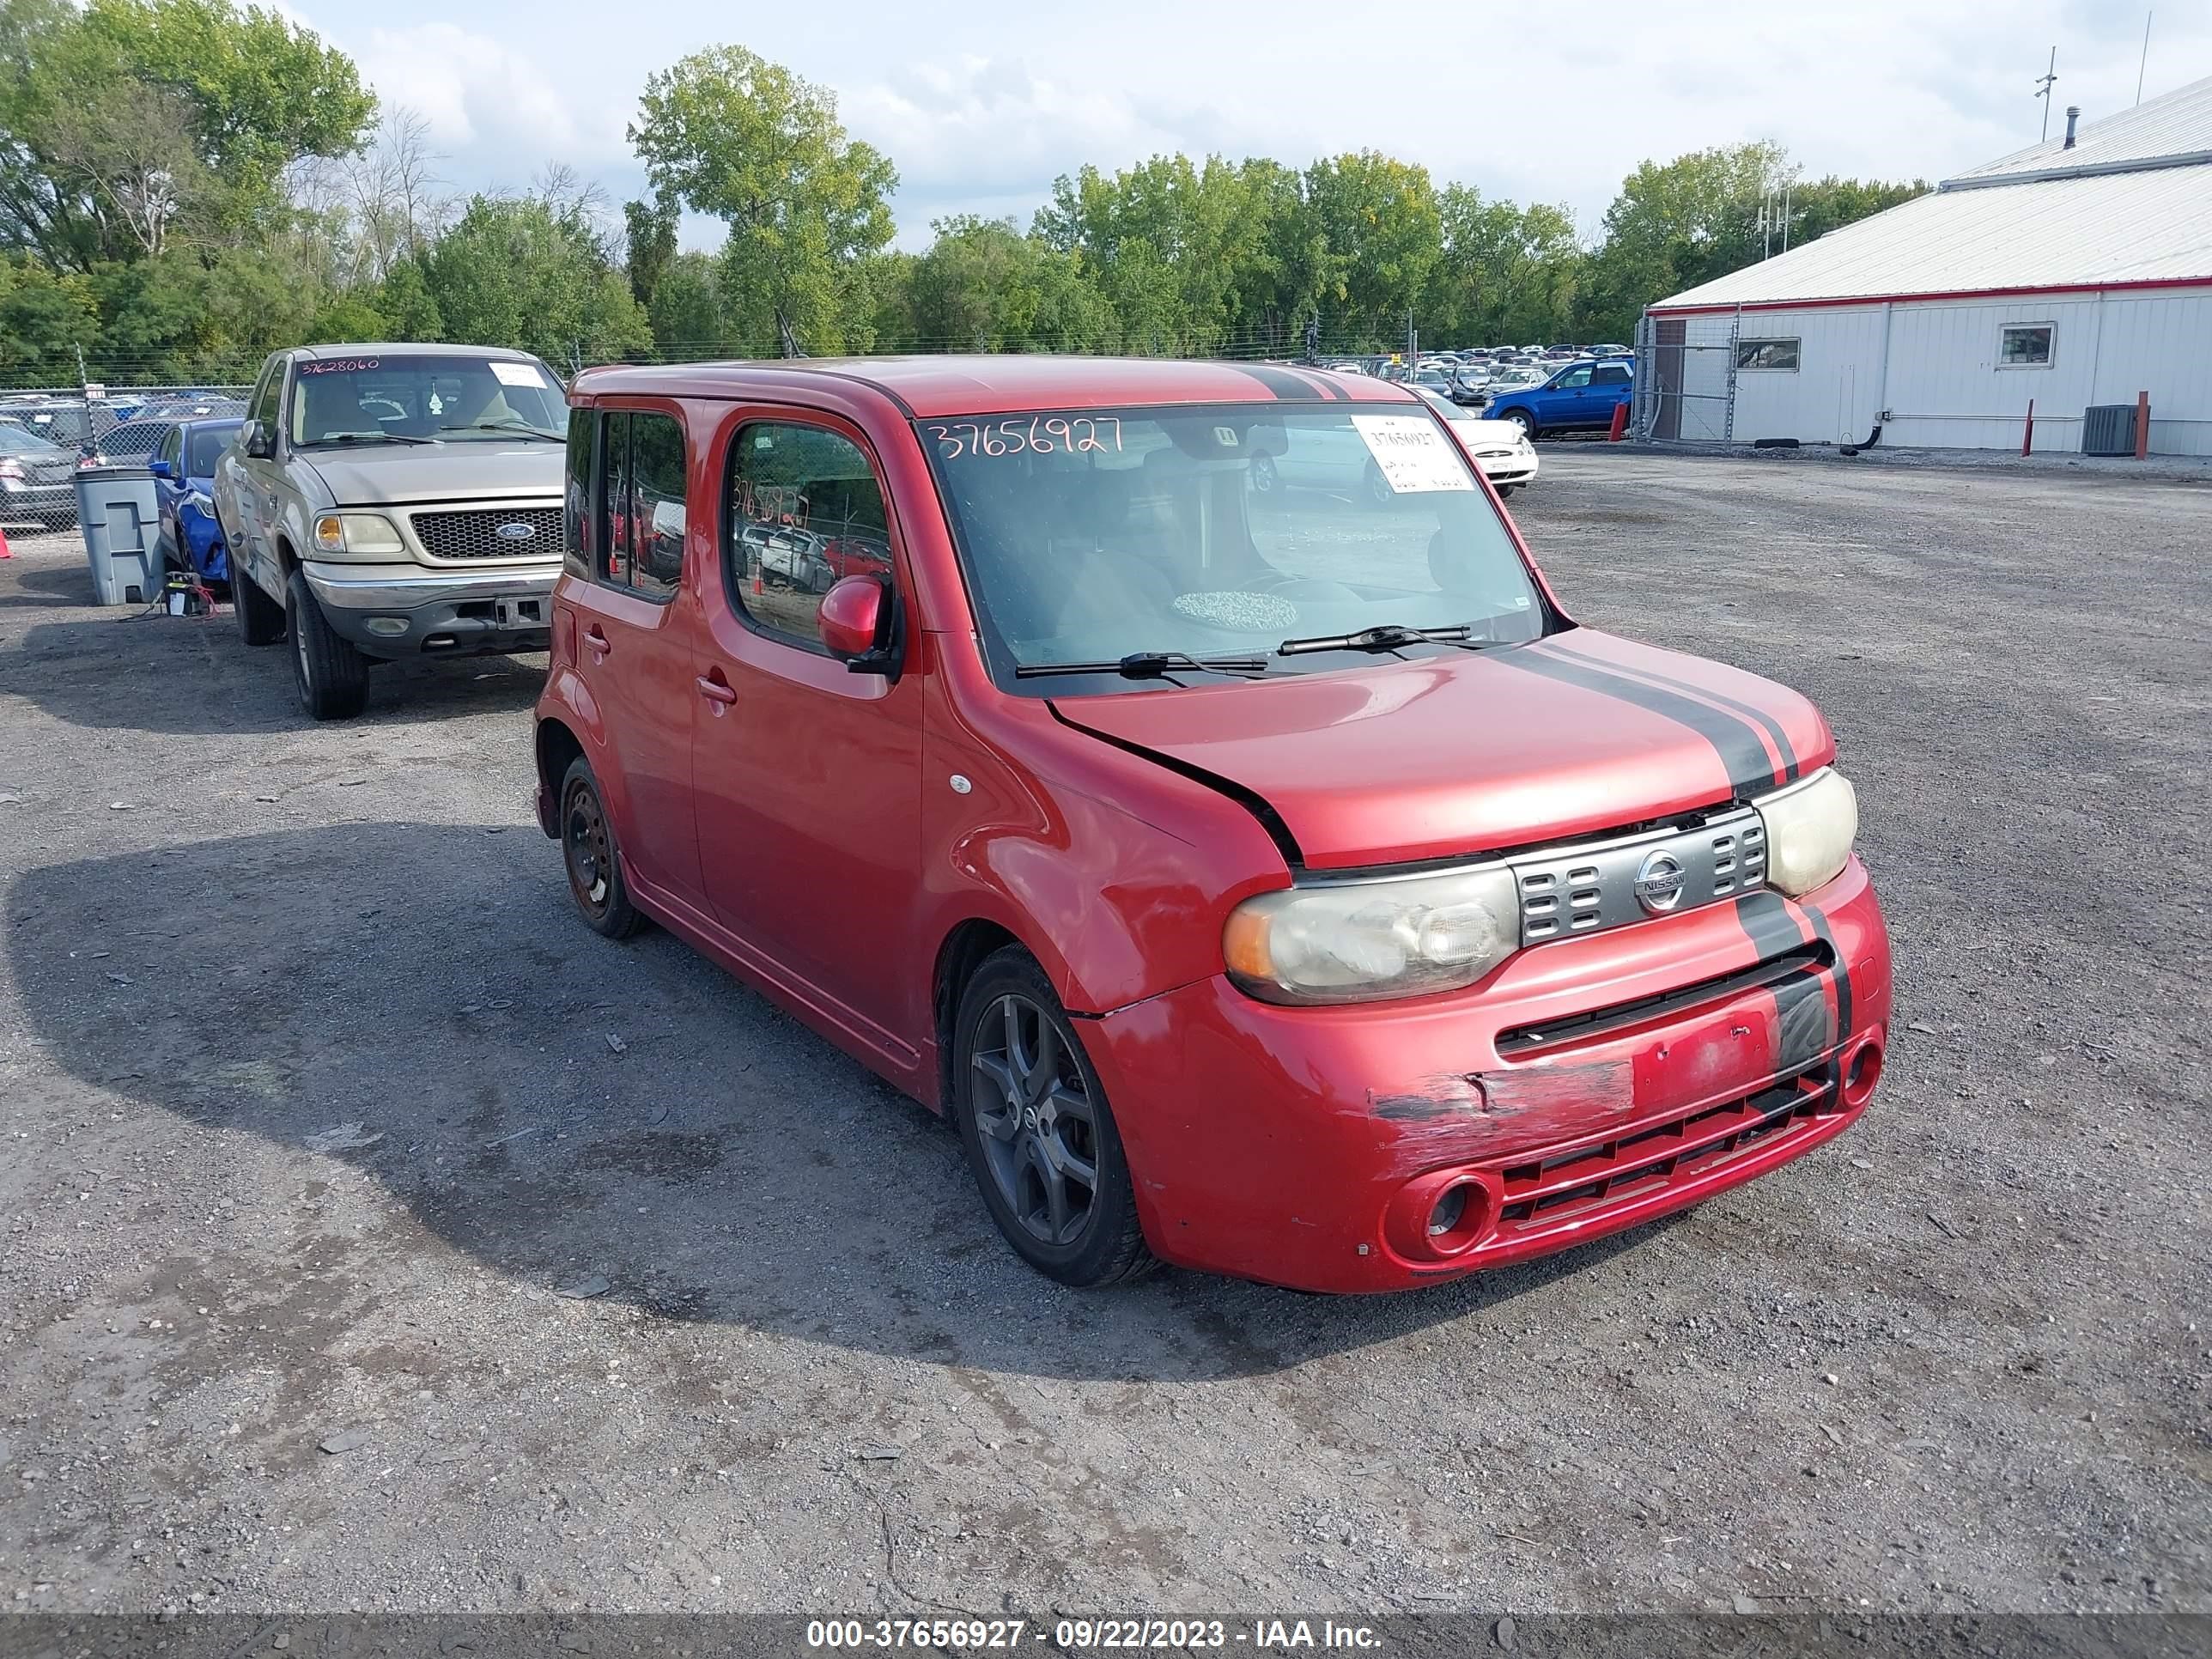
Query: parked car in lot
(1501, 449)
(389, 501)
(38, 479)
(1280, 886)
(1579, 397)
(183, 465)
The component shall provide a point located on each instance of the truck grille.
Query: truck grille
(490, 533)
(1587, 888)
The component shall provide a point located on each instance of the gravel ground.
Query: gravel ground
(377, 1238)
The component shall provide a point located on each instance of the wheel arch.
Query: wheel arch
(964, 949)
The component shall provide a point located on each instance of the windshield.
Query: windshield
(1087, 537)
(440, 398)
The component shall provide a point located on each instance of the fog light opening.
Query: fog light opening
(1457, 1218)
(1861, 1072)
(389, 626)
(1450, 1210)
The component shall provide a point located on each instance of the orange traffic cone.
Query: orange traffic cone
(5, 553)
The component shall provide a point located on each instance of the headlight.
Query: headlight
(1363, 941)
(1810, 827)
(357, 533)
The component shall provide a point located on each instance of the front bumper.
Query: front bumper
(403, 611)
(1509, 469)
(1309, 1147)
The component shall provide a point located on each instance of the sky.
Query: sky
(981, 104)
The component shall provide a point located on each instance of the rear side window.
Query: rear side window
(805, 511)
(632, 537)
(1610, 374)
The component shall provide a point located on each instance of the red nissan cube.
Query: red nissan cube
(1181, 774)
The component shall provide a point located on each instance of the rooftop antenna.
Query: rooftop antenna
(2047, 80)
(2144, 61)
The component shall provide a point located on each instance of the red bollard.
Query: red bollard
(2027, 437)
(2142, 426)
(1619, 424)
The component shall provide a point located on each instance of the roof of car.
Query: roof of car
(933, 387)
(413, 349)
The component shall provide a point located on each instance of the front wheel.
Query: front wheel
(1379, 493)
(1263, 475)
(1525, 421)
(330, 676)
(1507, 490)
(1038, 1132)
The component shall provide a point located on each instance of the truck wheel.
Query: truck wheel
(260, 618)
(593, 859)
(1039, 1134)
(1525, 421)
(329, 675)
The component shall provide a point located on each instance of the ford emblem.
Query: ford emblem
(516, 531)
(1659, 883)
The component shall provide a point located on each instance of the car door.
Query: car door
(255, 481)
(633, 631)
(1565, 402)
(807, 777)
(1610, 386)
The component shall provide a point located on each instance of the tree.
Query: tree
(1379, 236)
(1506, 273)
(728, 133)
(649, 243)
(982, 286)
(43, 318)
(119, 120)
(516, 272)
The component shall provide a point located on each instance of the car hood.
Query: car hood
(1469, 752)
(377, 474)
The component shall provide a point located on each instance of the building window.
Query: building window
(2025, 345)
(1767, 354)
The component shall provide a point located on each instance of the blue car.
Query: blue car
(183, 465)
(1580, 398)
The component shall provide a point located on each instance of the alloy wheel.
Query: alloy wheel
(1035, 1120)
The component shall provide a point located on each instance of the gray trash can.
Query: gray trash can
(122, 523)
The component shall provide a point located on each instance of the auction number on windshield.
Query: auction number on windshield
(1046, 434)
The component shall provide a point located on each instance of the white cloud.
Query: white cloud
(486, 100)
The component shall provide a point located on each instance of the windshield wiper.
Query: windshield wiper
(508, 426)
(1147, 665)
(1384, 636)
(365, 438)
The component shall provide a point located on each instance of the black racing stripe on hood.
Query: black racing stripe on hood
(1262, 808)
(1286, 387)
(1843, 975)
(1736, 742)
(1792, 769)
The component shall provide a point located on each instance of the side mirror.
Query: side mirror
(257, 441)
(160, 469)
(861, 625)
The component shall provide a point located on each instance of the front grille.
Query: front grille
(1564, 1189)
(475, 534)
(1584, 890)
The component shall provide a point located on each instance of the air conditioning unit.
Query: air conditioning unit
(2108, 429)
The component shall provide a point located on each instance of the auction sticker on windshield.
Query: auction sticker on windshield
(1414, 455)
(517, 374)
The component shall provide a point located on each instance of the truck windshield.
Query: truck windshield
(1087, 537)
(407, 395)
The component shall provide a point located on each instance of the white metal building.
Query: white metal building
(2077, 272)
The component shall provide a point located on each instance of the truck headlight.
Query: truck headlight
(357, 533)
(1810, 827)
(1363, 941)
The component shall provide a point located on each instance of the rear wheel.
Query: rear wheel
(330, 676)
(1039, 1134)
(593, 859)
(260, 618)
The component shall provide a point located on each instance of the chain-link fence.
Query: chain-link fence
(1685, 370)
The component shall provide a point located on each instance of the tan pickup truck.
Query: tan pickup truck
(390, 501)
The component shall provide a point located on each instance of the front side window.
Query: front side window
(805, 511)
(2025, 345)
(1766, 354)
(264, 406)
(205, 449)
(1572, 381)
(417, 397)
(1223, 531)
(172, 447)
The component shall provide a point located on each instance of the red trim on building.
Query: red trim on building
(1952, 294)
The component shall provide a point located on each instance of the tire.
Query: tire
(260, 618)
(1504, 490)
(592, 857)
(1264, 481)
(1526, 422)
(329, 675)
(1032, 1115)
(1379, 493)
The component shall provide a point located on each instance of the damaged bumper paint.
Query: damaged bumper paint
(1589, 1085)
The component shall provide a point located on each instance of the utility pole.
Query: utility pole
(2144, 61)
(2044, 85)
(1785, 218)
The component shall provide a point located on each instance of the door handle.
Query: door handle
(715, 691)
(598, 641)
